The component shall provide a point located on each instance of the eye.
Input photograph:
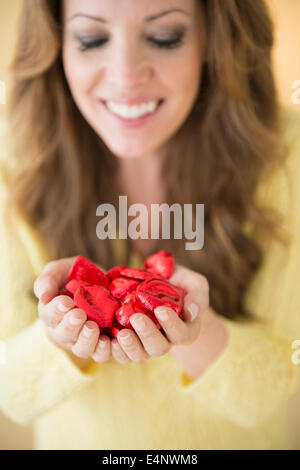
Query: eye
(168, 43)
(91, 43)
(171, 43)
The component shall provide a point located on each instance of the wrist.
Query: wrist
(198, 356)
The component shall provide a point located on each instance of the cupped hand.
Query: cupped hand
(66, 325)
(147, 341)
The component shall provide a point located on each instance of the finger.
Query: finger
(87, 340)
(132, 346)
(46, 289)
(118, 354)
(155, 344)
(103, 349)
(176, 330)
(196, 300)
(196, 304)
(53, 277)
(67, 331)
(53, 312)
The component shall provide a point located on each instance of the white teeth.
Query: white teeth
(132, 112)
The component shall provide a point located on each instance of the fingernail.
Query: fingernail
(75, 321)
(194, 310)
(88, 332)
(63, 308)
(126, 339)
(161, 313)
(41, 288)
(138, 322)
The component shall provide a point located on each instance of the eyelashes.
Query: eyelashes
(171, 43)
(90, 44)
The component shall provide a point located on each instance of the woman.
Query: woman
(215, 134)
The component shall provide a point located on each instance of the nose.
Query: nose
(129, 70)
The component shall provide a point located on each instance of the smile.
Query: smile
(132, 112)
(133, 116)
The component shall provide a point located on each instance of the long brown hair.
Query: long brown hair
(229, 142)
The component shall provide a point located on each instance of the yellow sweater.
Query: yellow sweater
(238, 403)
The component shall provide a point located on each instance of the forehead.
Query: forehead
(135, 10)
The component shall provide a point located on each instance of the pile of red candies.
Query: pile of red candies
(109, 299)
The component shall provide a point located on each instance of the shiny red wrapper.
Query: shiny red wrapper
(109, 299)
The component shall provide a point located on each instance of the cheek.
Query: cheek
(185, 71)
(80, 75)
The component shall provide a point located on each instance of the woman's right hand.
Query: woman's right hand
(65, 324)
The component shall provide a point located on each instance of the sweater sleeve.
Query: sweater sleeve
(255, 375)
(35, 374)
(250, 380)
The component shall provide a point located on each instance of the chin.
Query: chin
(128, 152)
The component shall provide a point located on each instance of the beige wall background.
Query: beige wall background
(286, 15)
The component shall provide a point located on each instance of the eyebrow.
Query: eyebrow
(147, 19)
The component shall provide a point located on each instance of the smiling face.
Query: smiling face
(116, 51)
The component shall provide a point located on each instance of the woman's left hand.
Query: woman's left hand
(146, 340)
